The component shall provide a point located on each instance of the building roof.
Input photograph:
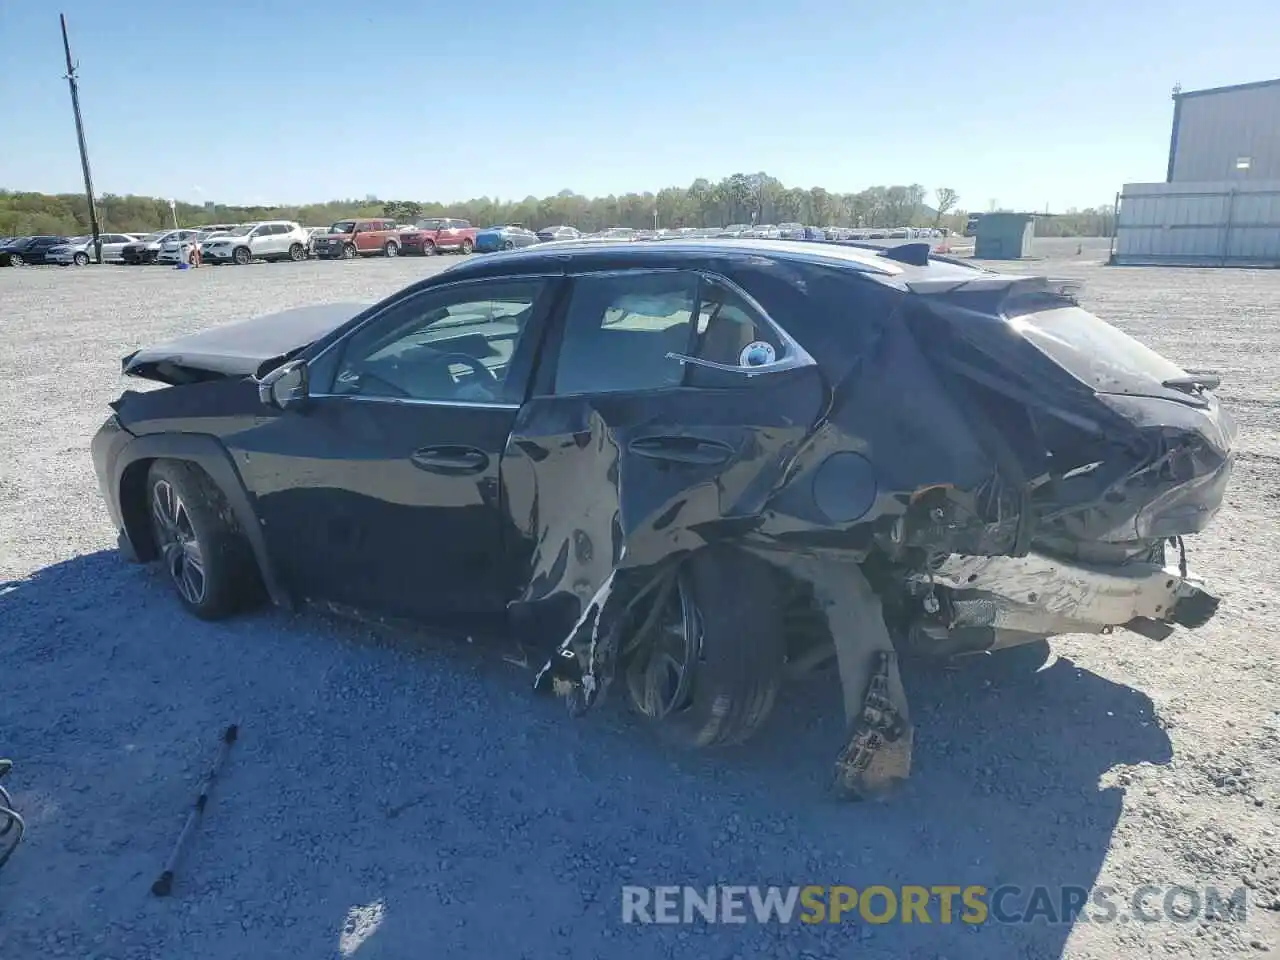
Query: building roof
(1183, 94)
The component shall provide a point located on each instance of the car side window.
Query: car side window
(619, 329)
(454, 345)
(730, 332)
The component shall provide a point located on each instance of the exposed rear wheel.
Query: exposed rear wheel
(81, 259)
(709, 659)
(468, 246)
(208, 562)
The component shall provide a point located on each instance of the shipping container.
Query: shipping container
(1218, 223)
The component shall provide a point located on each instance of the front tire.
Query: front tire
(428, 248)
(242, 256)
(508, 245)
(297, 253)
(708, 671)
(391, 249)
(15, 260)
(81, 259)
(349, 251)
(208, 562)
(468, 247)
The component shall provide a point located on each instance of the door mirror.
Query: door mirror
(286, 387)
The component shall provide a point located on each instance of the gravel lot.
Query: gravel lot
(395, 795)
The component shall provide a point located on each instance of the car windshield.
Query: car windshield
(154, 237)
(343, 226)
(241, 230)
(1088, 347)
(429, 224)
(74, 240)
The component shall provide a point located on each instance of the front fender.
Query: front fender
(128, 479)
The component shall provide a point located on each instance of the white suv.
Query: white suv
(270, 240)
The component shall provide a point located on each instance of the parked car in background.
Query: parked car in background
(438, 235)
(617, 233)
(173, 251)
(79, 250)
(29, 250)
(363, 236)
(506, 237)
(269, 240)
(147, 249)
(548, 234)
(312, 233)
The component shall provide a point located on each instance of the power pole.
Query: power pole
(84, 153)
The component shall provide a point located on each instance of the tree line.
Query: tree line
(740, 198)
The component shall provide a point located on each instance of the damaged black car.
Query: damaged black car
(689, 471)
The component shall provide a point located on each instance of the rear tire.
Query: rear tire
(468, 247)
(727, 606)
(391, 249)
(15, 260)
(207, 560)
(508, 245)
(297, 253)
(81, 259)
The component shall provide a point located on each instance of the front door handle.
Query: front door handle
(694, 450)
(450, 460)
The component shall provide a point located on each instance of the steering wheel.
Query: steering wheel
(476, 366)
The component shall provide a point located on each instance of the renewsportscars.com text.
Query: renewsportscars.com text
(938, 903)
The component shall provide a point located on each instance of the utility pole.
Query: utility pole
(84, 153)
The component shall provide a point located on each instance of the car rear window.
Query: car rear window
(1089, 348)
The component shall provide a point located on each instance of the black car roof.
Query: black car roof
(568, 254)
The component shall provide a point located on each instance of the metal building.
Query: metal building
(1226, 133)
(1220, 202)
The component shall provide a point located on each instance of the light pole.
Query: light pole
(84, 152)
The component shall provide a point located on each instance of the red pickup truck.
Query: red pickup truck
(439, 235)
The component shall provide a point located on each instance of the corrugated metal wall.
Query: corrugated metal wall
(1221, 223)
(1213, 130)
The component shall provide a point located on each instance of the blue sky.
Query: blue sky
(284, 101)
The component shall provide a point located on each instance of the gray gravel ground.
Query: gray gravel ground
(395, 795)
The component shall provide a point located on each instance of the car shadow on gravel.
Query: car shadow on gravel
(394, 791)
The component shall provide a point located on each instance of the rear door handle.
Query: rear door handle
(450, 460)
(683, 450)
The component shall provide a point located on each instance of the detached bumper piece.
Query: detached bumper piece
(987, 603)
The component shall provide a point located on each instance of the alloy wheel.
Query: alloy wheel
(179, 546)
(660, 676)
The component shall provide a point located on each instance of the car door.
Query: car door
(384, 492)
(625, 454)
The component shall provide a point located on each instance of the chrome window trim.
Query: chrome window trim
(415, 402)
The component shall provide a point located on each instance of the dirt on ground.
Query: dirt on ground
(398, 795)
